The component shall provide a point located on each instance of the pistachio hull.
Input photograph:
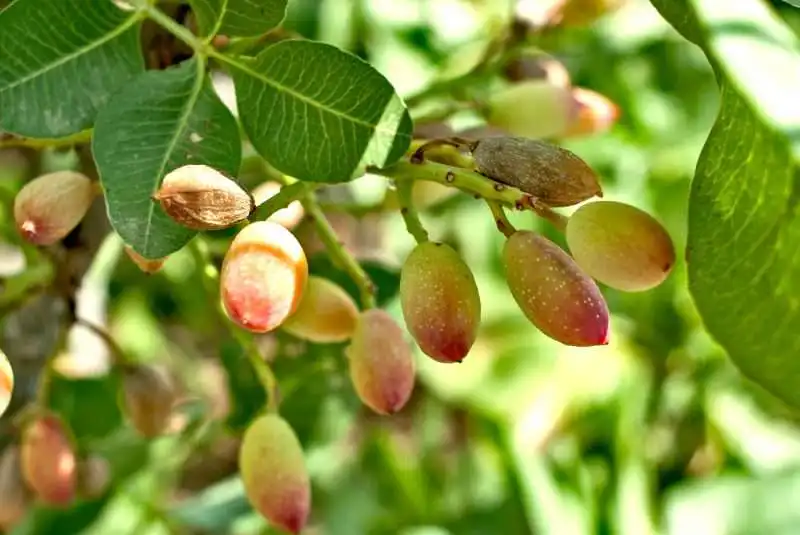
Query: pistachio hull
(553, 292)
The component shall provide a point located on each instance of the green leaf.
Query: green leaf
(62, 60)
(89, 406)
(318, 113)
(744, 223)
(160, 121)
(240, 18)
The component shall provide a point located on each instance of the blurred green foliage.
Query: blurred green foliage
(654, 434)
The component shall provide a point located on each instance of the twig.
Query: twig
(409, 213)
(210, 276)
(338, 253)
(500, 219)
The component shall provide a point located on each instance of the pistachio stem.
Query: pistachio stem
(337, 251)
(456, 177)
(409, 213)
(500, 218)
(545, 212)
(165, 21)
(9, 141)
(210, 276)
(282, 199)
(119, 355)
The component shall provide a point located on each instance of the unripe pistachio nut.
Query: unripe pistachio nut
(381, 363)
(596, 113)
(274, 473)
(553, 175)
(148, 399)
(6, 383)
(620, 245)
(584, 12)
(14, 496)
(201, 198)
(327, 314)
(538, 66)
(440, 301)
(263, 276)
(532, 109)
(49, 207)
(148, 265)
(49, 465)
(553, 292)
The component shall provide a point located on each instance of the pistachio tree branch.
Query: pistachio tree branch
(337, 251)
(409, 213)
(456, 177)
(210, 276)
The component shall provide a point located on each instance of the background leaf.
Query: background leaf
(240, 18)
(61, 61)
(161, 121)
(744, 224)
(318, 113)
(385, 278)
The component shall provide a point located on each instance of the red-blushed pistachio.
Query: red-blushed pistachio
(532, 109)
(620, 245)
(554, 175)
(290, 216)
(596, 113)
(6, 383)
(553, 292)
(14, 496)
(148, 399)
(94, 476)
(381, 363)
(327, 313)
(274, 473)
(263, 277)
(49, 466)
(201, 198)
(440, 301)
(49, 207)
(148, 265)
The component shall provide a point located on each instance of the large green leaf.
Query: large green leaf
(241, 18)
(744, 225)
(318, 113)
(160, 121)
(61, 61)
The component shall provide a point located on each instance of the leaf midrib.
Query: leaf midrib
(122, 28)
(197, 88)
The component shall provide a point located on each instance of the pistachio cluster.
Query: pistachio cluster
(265, 285)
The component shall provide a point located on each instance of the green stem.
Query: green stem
(460, 178)
(500, 219)
(13, 142)
(409, 213)
(545, 212)
(286, 195)
(181, 32)
(338, 253)
(210, 276)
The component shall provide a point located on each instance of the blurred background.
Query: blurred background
(655, 433)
